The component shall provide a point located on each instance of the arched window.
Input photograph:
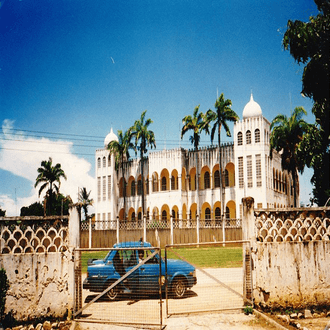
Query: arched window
(164, 215)
(154, 184)
(227, 213)
(147, 186)
(104, 162)
(139, 187)
(240, 138)
(226, 178)
(133, 188)
(257, 135)
(207, 217)
(217, 214)
(99, 163)
(248, 137)
(216, 179)
(140, 216)
(164, 183)
(207, 180)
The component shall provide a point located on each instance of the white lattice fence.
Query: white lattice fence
(292, 225)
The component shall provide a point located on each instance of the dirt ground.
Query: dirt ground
(215, 321)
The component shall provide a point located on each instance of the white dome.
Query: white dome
(110, 137)
(252, 109)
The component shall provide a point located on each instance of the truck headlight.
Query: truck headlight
(193, 274)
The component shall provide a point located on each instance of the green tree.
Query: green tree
(144, 138)
(286, 136)
(121, 150)
(61, 204)
(308, 43)
(34, 209)
(197, 123)
(2, 212)
(49, 178)
(221, 116)
(85, 200)
(4, 286)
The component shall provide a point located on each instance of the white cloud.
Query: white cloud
(24, 157)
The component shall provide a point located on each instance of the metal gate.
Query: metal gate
(223, 271)
(119, 285)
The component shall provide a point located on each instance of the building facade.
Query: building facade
(170, 178)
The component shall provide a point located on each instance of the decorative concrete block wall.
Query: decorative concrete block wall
(37, 254)
(290, 250)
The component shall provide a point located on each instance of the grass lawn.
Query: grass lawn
(206, 257)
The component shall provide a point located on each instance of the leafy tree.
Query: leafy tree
(308, 43)
(85, 200)
(49, 177)
(34, 209)
(197, 123)
(121, 150)
(4, 286)
(2, 212)
(144, 138)
(61, 205)
(221, 116)
(286, 136)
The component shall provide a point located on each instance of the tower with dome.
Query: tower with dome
(170, 179)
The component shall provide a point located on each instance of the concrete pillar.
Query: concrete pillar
(171, 223)
(117, 230)
(248, 221)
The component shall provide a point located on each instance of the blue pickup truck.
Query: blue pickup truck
(144, 280)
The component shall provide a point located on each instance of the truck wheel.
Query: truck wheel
(179, 287)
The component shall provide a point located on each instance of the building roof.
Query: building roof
(252, 109)
(110, 137)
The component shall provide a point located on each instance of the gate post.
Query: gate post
(144, 228)
(248, 226)
(171, 223)
(197, 227)
(90, 232)
(117, 230)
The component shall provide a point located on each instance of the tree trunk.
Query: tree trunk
(142, 181)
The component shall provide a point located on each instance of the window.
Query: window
(249, 171)
(174, 183)
(163, 183)
(258, 170)
(217, 214)
(99, 163)
(104, 185)
(248, 137)
(207, 180)
(147, 186)
(154, 184)
(216, 179)
(240, 172)
(226, 178)
(207, 217)
(139, 187)
(240, 138)
(104, 162)
(257, 135)
(227, 213)
(109, 186)
(99, 188)
(164, 215)
(133, 216)
(133, 188)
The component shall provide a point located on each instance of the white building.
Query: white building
(170, 178)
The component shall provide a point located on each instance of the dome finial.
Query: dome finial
(252, 108)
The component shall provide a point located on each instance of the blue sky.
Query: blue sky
(71, 70)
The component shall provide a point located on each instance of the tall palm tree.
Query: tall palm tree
(222, 114)
(85, 200)
(196, 123)
(121, 150)
(49, 176)
(286, 135)
(144, 138)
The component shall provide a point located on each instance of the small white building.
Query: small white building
(170, 178)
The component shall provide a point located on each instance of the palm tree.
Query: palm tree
(49, 176)
(85, 200)
(143, 138)
(222, 114)
(286, 135)
(196, 123)
(121, 150)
